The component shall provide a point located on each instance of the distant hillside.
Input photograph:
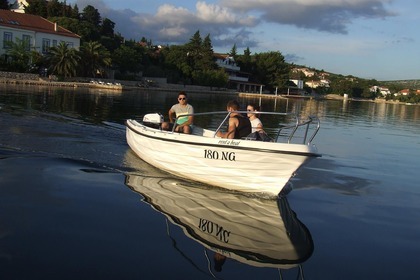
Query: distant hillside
(404, 83)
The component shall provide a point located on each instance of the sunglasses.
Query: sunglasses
(182, 98)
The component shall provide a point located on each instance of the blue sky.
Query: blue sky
(376, 39)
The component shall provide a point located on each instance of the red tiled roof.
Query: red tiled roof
(33, 23)
(221, 55)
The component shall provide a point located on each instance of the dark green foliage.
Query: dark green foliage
(194, 60)
(107, 28)
(91, 15)
(233, 52)
(63, 60)
(19, 57)
(37, 7)
(271, 70)
(245, 61)
(51, 9)
(54, 9)
(215, 78)
(4, 5)
(127, 59)
(95, 58)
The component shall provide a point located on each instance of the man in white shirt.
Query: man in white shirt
(183, 124)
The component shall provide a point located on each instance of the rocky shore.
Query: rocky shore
(114, 85)
(35, 80)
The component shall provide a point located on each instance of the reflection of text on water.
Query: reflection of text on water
(214, 229)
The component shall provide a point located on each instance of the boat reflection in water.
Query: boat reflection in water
(258, 232)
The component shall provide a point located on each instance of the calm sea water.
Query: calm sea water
(69, 209)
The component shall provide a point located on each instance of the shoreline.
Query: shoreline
(42, 82)
(377, 100)
(177, 88)
(117, 87)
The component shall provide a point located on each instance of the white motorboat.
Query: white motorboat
(254, 231)
(244, 165)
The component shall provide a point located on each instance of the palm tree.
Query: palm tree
(63, 60)
(21, 57)
(95, 58)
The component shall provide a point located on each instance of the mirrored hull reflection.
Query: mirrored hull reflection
(254, 231)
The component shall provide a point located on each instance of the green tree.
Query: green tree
(63, 60)
(207, 56)
(74, 13)
(107, 28)
(176, 64)
(200, 58)
(112, 43)
(342, 86)
(368, 94)
(54, 8)
(94, 58)
(245, 61)
(108, 38)
(37, 7)
(91, 15)
(271, 70)
(89, 26)
(233, 52)
(84, 29)
(21, 56)
(212, 78)
(194, 51)
(127, 59)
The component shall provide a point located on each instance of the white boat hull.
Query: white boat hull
(239, 165)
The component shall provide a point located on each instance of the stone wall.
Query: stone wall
(19, 76)
(153, 84)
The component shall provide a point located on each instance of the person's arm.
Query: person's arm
(230, 134)
(171, 115)
(259, 127)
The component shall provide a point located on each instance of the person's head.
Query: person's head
(182, 98)
(232, 105)
(252, 108)
(219, 260)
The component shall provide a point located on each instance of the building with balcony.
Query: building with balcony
(237, 80)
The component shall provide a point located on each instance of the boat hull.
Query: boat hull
(239, 165)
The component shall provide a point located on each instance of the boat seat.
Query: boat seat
(258, 136)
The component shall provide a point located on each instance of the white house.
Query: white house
(298, 83)
(40, 33)
(237, 79)
(320, 83)
(305, 71)
(382, 90)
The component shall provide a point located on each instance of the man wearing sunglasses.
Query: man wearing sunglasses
(183, 124)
